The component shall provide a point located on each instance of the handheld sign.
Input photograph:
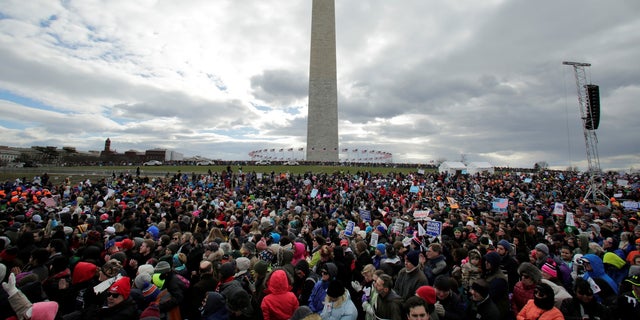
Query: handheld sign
(365, 215)
(348, 231)
(421, 214)
(500, 205)
(558, 209)
(374, 239)
(434, 228)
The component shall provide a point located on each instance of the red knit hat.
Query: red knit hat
(83, 272)
(427, 293)
(122, 286)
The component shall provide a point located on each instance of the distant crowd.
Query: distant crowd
(247, 245)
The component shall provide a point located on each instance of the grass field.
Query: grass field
(94, 173)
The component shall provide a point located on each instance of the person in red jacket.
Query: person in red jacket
(279, 303)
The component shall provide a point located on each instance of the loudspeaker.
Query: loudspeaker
(593, 107)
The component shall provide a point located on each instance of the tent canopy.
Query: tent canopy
(478, 167)
(452, 167)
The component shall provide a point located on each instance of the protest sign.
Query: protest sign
(365, 215)
(558, 209)
(414, 189)
(348, 231)
(500, 205)
(314, 193)
(434, 228)
(421, 215)
(374, 239)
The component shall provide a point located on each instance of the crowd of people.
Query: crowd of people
(246, 245)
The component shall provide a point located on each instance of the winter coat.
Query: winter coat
(342, 309)
(279, 303)
(316, 300)
(533, 312)
(609, 289)
(408, 282)
(521, 295)
(574, 309)
(125, 310)
(215, 308)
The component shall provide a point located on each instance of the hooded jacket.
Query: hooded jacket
(599, 276)
(280, 302)
(316, 300)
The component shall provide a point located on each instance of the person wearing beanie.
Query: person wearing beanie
(119, 304)
(541, 306)
(498, 283)
(279, 303)
(379, 255)
(448, 304)
(530, 277)
(328, 272)
(541, 254)
(508, 262)
(428, 294)
(144, 291)
(166, 279)
(411, 277)
(481, 306)
(228, 285)
(338, 304)
(471, 270)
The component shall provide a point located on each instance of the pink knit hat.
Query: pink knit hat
(550, 269)
(46, 310)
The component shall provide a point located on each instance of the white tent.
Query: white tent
(480, 167)
(452, 167)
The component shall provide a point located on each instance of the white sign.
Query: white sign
(374, 239)
(558, 209)
(421, 215)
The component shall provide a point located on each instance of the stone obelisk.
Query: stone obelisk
(322, 119)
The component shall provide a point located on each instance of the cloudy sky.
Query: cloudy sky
(422, 79)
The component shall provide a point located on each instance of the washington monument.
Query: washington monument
(322, 120)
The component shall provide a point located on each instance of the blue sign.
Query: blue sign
(348, 231)
(365, 215)
(414, 189)
(434, 228)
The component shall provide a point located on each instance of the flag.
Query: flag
(272, 150)
(300, 149)
(345, 150)
(281, 150)
(421, 230)
(290, 149)
(364, 151)
(355, 150)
